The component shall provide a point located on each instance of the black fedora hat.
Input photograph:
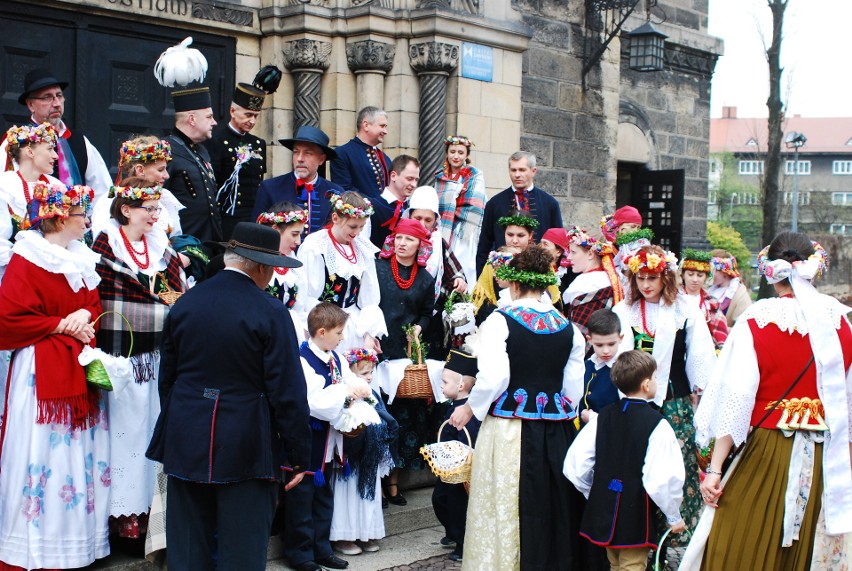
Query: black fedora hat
(308, 134)
(259, 244)
(39, 79)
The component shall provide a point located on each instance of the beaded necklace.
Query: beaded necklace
(132, 251)
(644, 323)
(281, 271)
(27, 196)
(403, 284)
(351, 258)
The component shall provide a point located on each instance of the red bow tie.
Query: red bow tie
(302, 183)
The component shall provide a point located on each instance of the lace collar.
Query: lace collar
(157, 243)
(365, 253)
(76, 262)
(787, 314)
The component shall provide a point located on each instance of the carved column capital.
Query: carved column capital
(433, 57)
(307, 54)
(433, 3)
(370, 56)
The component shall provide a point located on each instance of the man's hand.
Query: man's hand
(294, 481)
(459, 285)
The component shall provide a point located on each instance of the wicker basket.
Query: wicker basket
(169, 296)
(96, 373)
(451, 461)
(415, 383)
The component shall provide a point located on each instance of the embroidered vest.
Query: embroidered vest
(341, 292)
(678, 381)
(598, 390)
(619, 512)
(319, 428)
(539, 345)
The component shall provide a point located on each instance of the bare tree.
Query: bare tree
(772, 167)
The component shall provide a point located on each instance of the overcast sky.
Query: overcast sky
(815, 55)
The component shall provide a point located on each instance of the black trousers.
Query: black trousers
(238, 515)
(450, 504)
(307, 520)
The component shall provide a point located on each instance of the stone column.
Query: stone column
(433, 62)
(370, 61)
(307, 60)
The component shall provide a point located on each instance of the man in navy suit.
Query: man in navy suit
(303, 186)
(522, 195)
(232, 392)
(360, 164)
(392, 204)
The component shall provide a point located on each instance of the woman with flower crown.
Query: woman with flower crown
(288, 284)
(461, 194)
(694, 270)
(655, 318)
(727, 287)
(523, 513)
(597, 286)
(141, 277)
(54, 452)
(783, 386)
(339, 266)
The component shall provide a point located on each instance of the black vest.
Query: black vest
(678, 381)
(539, 345)
(619, 512)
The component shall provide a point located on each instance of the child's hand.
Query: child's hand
(359, 390)
(584, 416)
(678, 527)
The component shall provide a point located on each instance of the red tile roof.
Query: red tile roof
(825, 134)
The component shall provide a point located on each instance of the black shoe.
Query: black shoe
(454, 557)
(308, 566)
(397, 499)
(384, 503)
(333, 562)
(447, 542)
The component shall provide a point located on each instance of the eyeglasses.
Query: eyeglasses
(151, 209)
(49, 98)
(80, 214)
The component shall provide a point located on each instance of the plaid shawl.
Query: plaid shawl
(583, 306)
(461, 214)
(452, 270)
(121, 291)
(716, 320)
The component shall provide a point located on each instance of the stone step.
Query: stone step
(411, 530)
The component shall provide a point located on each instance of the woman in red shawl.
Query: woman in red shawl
(54, 446)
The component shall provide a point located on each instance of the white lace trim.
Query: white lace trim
(76, 263)
(787, 314)
(157, 243)
(12, 191)
(365, 253)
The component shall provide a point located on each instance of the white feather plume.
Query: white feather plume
(180, 65)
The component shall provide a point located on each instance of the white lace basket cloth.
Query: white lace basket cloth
(451, 461)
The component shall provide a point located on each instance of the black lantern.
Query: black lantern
(647, 48)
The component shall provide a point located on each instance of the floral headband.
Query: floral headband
(601, 248)
(135, 193)
(55, 201)
(287, 217)
(645, 234)
(458, 140)
(499, 259)
(609, 228)
(156, 151)
(354, 356)
(727, 266)
(650, 262)
(530, 279)
(347, 210)
(527, 222)
(777, 270)
(695, 260)
(31, 135)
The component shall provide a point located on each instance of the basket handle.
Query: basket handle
(466, 433)
(129, 328)
(419, 353)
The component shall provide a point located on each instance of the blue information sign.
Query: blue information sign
(477, 62)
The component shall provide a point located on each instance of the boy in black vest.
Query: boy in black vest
(309, 506)
(604, 335)
(450, 500)
(627, 461)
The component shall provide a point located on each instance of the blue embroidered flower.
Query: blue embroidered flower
(69, 494)
(33, 493)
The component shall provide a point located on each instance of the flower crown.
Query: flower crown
(498, 259)
(534, 280)
(641, 234)
(458, 140)
(55, 201)
(820, 256)
(727, 266)
(31, 135)
(527, 222)
(695, 260)
(347, 210)
(608, 227)
(287, 217)
(156, 151)
(651, 262)
(579, 237)
(135, 193)
(357, 355)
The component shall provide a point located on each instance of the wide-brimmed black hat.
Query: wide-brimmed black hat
(39, 79)
(248, 96)
(308, 134)
(259, 244)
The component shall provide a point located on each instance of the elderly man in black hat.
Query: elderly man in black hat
(191, 177)
(302, 186)
(232, 392)
(237, 156)
(79, 161)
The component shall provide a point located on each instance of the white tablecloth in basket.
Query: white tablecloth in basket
(388, 375)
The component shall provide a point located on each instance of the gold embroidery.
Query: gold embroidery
(801, 414)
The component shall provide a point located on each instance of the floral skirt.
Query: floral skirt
(54, 489)
(679, 413)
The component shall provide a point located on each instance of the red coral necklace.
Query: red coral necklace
(133, 253)
(27, 196)
(403, 284)
(281, 271)
(644, 323)
(351, 258)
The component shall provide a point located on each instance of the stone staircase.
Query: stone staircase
(412, 533)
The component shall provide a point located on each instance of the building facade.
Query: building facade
(509, 74)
